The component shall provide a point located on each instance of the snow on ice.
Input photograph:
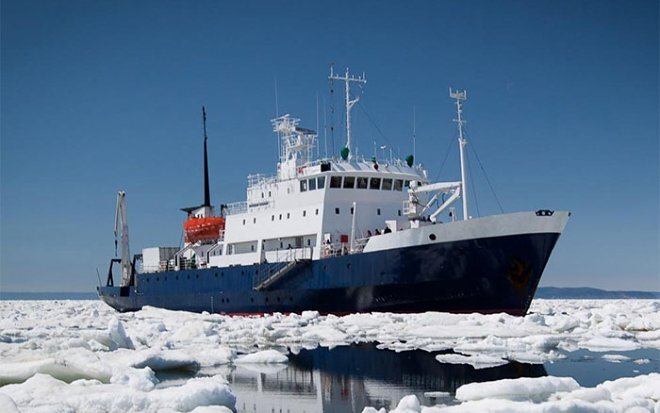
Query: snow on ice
(67, 356)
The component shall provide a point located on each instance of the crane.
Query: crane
(120, 215)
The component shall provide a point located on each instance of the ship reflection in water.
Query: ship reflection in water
(346, 379)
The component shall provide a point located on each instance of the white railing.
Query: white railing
(260, 179)
(237, 207)
(343, 248)
(303, 253)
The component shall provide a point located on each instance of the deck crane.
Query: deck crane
(120, 215)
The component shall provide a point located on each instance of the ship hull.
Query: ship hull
(486, 275)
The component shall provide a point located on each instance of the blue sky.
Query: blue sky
(100, 96)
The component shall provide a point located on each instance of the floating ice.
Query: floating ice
(477, 361)
(265, 356)
(525, 388)
(546, 394)
(615, 358)
(92, 357)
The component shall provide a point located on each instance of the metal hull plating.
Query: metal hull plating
(495, 274)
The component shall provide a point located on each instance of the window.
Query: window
(320, 182)
(312, 184)
(317, 211)
(262, 194)
(378, 211)
(407, 184)
(351, 210)
(254, 220)
(272, 217)
(399, 212)
(387, 184)
(337, 211)
(374, 183)
(288, 215)
(304, 213)
(268, 194)
(335, 182)
(309, 242)
(303, 185)
(362, 182)
(280, 217)
(398, 184)
(243, 222)
(349, 182)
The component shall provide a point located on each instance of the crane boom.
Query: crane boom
(120, 216)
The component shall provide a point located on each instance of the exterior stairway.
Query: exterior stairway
(277, 275)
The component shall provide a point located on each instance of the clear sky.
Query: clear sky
(99, 96)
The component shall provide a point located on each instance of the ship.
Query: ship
(338, 235)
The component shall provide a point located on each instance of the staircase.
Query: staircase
(277, 275)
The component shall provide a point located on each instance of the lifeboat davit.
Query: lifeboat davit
(203, 228)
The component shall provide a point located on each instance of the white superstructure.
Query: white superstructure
(310, 208)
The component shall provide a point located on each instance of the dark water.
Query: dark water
(348, 378)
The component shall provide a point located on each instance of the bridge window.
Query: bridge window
(407, 184)
(387, 184)
(349, 182)
(303, 185)
(362, 182)
(312, 184)
(398, 184)
(320, 182)
(335, 182)
(374, 183)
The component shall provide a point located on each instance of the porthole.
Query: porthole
(216, 275)
(188, 276)
(252, 300)
(348, 265)
(157, 279)
(432, 237)
(197, 276)
(266, 299)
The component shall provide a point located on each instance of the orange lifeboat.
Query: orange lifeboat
(203, 229)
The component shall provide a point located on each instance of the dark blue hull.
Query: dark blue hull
(498, 274)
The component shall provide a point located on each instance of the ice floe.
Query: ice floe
(90, 357)
(545, 394)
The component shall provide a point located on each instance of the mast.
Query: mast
(207, 194)
(461, 96)
(347, 78)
